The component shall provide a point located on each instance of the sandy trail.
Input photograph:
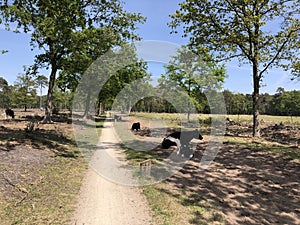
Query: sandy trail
(105, 202)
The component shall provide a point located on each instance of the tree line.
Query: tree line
(27, 93)
(24, 94)
(282, 103)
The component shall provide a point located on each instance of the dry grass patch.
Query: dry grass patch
(41, 172)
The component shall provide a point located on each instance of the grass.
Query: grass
(51, 199)
(174, 119)
(45, 194)
(160, 205)
(87, 135)
(174, 207)
(290, 152)
(171, 207)
(266, 118)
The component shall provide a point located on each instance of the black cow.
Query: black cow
(10, 112)
(181, 139)
(183, 136)
(136, 126)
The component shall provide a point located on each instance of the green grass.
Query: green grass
(176, 208)
(160, 205)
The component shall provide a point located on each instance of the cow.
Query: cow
(181, 139)
(10, 112)
(136, 126)
(117, 118)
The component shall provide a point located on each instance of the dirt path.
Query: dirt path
(109, 203)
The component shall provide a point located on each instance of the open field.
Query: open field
(251, 181)
(237, 118)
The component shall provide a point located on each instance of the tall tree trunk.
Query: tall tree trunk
(41, 96)
(98, 110)
(48, 107)
(189, 94)
(87, 105)
(256, 80)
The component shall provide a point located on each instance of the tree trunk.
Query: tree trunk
(256, 80)
(189, 94)
(87, 105)
(98, 108)
(48, 107)
(41, 96)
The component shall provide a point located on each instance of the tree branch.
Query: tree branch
(279, 51)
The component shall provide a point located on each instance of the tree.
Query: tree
(4, 93)
(193, 74)
(286, 103)
(244, 30)
(296, 70)
(120, 80)
(24, 93)
(40, 82)
(57, 25)
(1, 50)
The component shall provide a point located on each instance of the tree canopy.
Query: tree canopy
(261, 33)
(69, 27)
(24, 93)
(193, 74)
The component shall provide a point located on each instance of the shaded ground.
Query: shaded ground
(34, 166)
(249, 186)
(251, 181)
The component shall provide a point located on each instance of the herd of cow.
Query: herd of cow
(180, 139)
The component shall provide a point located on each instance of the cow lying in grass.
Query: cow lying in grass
(10, 112)
(181, 139)
(136, 126)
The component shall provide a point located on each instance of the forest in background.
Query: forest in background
(24, 94)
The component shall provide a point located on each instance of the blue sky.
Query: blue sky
(157, 13)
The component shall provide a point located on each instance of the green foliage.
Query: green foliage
(296, 70)
(136, 75)
(70, 32)
(61, 100)
(24, 93)
(5, 92)
(286, 104)
(244, 30)
(192, 74)
(40, 82)
(283, 103)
